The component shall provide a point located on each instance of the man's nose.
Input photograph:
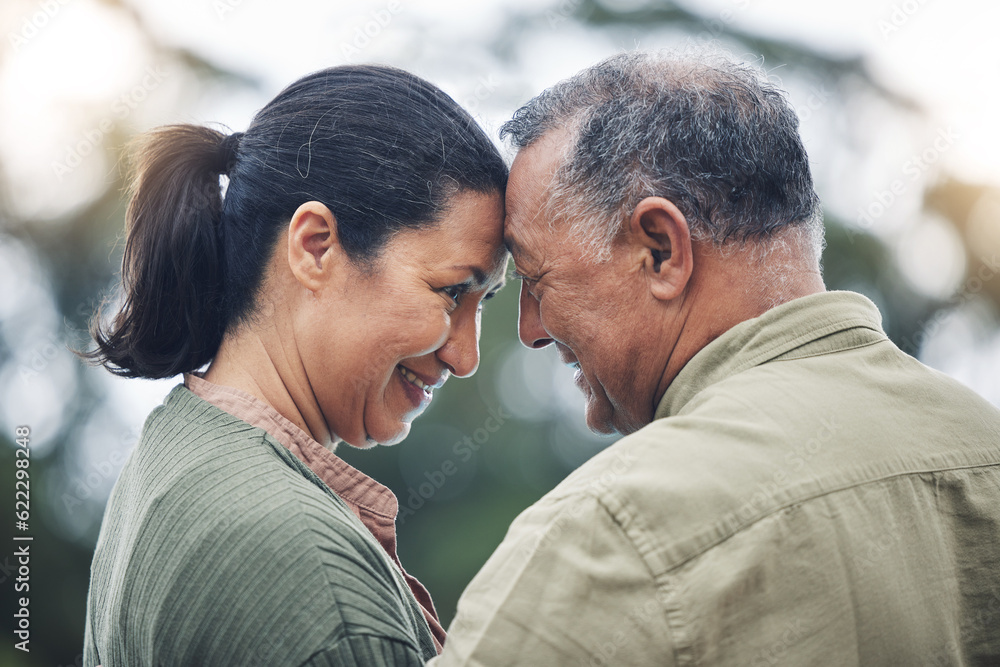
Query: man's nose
(460, 352)
(529, 321)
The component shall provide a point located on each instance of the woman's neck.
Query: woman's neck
(256, 363)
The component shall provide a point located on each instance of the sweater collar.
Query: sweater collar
(357, 489)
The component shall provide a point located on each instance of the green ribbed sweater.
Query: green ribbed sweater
(219, 547)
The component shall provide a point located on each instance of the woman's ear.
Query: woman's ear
(313, 245)
(659, 233)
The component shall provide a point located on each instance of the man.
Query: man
(793, 488)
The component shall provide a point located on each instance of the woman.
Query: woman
(337, 283)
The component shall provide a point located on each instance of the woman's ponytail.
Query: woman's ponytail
(173, 316)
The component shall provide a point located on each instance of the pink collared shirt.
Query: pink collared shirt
(374, 504)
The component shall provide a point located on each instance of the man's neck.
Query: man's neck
(731, 286)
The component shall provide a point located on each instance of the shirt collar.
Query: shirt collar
(809, 325)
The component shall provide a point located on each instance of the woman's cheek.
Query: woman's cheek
(435, 329)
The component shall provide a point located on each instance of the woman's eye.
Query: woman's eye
(485, 299)
(454, 292)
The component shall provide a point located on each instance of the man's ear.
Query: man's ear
(313, 245)
(659, 231)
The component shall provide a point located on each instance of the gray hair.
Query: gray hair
(712, 135)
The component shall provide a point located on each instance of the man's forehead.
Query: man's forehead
(533, 170)
(528, 188)
(519, 228)
(514, 246)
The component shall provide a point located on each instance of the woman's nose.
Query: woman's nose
(460, 352)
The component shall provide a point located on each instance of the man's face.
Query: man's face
(596, 313)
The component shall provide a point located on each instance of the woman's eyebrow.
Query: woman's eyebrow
(499, 285)
(479, 277)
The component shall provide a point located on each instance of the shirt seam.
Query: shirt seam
(813, 335)
(627, 521)
(374, 635)
(636, 523)
(782, 357)
(816, 496)
(401, 590)
(396, 571)
(266, 438)
(773, 352)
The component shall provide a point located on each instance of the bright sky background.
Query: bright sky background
(71, 69)
(58, 62)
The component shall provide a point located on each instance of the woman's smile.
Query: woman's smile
(419, 389)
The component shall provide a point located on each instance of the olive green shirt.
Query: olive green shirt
(220, 547)
(808, 494)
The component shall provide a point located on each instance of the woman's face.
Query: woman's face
(385, 338)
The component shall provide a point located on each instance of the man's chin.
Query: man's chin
(599, 418)
(604, 419)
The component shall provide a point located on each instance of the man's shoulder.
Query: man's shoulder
(777, 436)
(680, 480)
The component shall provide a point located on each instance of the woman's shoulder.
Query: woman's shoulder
(199, 476)
(216, 530)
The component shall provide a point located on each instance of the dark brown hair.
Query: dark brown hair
(383, 149)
